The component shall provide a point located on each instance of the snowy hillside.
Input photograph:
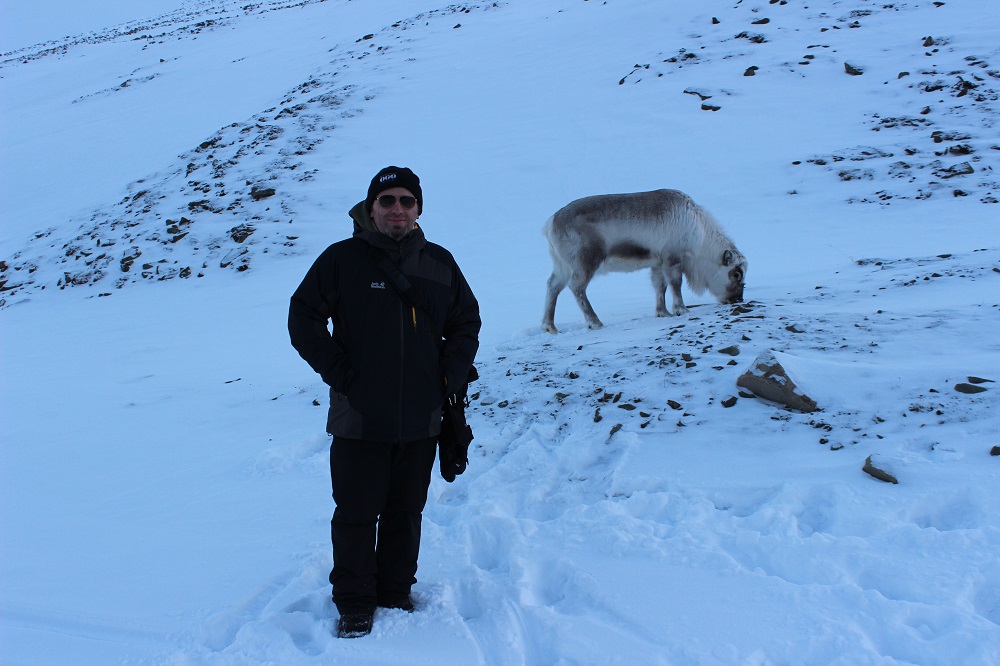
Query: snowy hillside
(172, 167)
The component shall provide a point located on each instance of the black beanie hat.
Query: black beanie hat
(394, 176)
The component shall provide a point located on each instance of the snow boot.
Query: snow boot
(355, 624)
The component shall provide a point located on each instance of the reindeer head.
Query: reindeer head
(727, 282)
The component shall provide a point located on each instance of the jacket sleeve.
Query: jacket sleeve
(312, 305)
(461, 334)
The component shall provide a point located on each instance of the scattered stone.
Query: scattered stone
(257, 192)
(131, 255)
(768, 379)
(879, 469)
(729, 402)
(852, 70)
(995, 451)
(969, 389)
(940, 136)
(673, 404)
(697, 93)
(627, 406)
(754, 38)
(980, 380)
(963, 169)
(232, 256)
(241, 233)
(751, 71)
(732, 350)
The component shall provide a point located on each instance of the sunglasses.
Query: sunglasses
(389, 200)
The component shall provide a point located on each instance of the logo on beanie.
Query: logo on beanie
(388, 176)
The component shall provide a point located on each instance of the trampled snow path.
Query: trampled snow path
(608, 481)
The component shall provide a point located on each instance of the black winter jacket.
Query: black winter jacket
(387, 363)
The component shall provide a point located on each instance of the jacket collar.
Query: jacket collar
(409, 244)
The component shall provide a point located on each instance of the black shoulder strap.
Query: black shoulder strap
(399, 282)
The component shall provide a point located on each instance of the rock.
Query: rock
(980, 380)
(751, 71)
(995, 451)
(258, 192)
(232, 256)
(729, 402)
(732, 350)
(879, 468)
(969, 389)
(963, 169)
(129, 258)
(241, 233)
(767, 379)
(852, 70)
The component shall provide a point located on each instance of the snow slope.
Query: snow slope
(165, 491)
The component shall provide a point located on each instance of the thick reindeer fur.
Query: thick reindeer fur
(663, 230)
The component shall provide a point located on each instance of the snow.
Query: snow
(164, 489)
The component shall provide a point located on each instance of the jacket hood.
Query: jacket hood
(362, 219)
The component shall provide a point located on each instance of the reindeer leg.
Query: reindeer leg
(556, 284)
(674, 276)
(660, 289)
(579, 289)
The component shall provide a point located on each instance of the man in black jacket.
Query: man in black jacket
(405, 334)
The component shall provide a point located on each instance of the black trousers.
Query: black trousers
(380, 491)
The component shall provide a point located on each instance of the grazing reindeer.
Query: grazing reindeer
(663, 230)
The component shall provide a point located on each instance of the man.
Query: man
(405, 334)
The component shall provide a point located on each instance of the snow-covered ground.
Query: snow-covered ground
(164, 490)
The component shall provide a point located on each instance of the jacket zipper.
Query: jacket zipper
(402, 364)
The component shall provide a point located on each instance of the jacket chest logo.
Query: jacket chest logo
(378, 285)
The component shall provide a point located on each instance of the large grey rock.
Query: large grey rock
(767, 379)
(881, 468)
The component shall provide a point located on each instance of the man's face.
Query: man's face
(395, 221)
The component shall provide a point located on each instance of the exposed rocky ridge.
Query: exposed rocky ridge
(587, 382)
(935, 131)
(226, 202)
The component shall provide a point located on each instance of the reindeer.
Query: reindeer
(663, 230)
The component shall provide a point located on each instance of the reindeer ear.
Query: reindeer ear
(727, 257)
